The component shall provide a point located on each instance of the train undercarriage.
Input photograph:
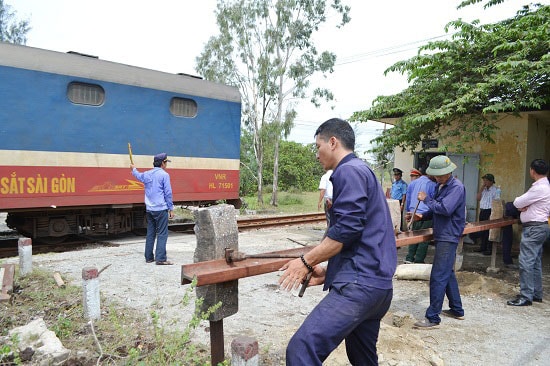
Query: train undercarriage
(56, 226)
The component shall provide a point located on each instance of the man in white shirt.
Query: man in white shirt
(534, 207)
(325, 194)
(485, 196)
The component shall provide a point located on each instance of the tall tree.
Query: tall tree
(11, 30)
(481, 71)
(265, 48)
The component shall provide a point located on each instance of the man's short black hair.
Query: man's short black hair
(338, 128)
(540, 166)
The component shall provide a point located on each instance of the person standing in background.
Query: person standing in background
(417, 252)
(398, 187)
(485, 196)
(534, 207)
(325, 194)
(159, 207)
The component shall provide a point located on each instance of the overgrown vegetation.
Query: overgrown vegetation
(121, 337)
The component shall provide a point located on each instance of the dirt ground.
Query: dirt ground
(492, 333)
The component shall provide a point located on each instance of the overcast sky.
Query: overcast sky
(168, 35)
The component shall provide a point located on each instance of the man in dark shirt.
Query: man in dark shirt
(361, 253)
(448, 207)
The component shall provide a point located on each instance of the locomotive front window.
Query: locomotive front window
(183, 107)
(83, 93)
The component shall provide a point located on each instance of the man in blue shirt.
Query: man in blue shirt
(448, 206)
(417, 252)
(361, 253)
(398, 187)
(159, 206)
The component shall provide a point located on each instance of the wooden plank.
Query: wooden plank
(218, 270)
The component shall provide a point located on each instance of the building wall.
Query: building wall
(518, 141)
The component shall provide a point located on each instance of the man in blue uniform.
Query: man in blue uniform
(448, 206)
(361, 253)
(159, 207)
(422, 220)
(398, 187)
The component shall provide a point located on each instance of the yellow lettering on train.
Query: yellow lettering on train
(220, 176)
(14, 185)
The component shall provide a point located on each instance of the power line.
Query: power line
(386, 51)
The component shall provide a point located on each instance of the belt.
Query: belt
(534, 223)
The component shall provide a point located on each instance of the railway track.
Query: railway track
(9, 240)
(259, 222)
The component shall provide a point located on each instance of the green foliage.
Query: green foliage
(298, 167)
(457, 86)
(11, 30)
(125, 336)
(265, 48)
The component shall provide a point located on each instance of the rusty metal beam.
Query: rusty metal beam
(218, 271)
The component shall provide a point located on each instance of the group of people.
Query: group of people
(360, 246)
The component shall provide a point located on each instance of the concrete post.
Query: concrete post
(24, 247)
(244, 352)
(216, 229)
(90, 292)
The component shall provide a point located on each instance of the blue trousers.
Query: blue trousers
(530, 260)
(443, 282)
(157, 227)
(349, 312)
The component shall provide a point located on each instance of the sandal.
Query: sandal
(165, 263)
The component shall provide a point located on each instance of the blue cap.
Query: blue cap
(161, 157)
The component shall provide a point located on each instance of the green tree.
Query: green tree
(481, 71)
(11, 30)
(265, 48)
(299, 168)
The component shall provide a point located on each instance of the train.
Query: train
(67, 121)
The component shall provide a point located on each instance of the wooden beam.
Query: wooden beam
(218, 270)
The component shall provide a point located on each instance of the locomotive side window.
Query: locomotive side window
(183, 107)
(83, 93)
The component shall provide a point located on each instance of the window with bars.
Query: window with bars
(84, 93)
(183, 107)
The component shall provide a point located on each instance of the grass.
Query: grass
(288, 203)
(121, 337)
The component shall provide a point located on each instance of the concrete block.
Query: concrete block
(216, 229)
(90, 293)
(24, 249)
(244, 352)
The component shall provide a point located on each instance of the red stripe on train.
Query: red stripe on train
(30, 187)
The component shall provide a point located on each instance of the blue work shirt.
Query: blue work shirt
(424, 184)
(448, 207)
(398, 189)
(158, 191)
(360, 220)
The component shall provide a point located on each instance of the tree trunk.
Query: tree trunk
(274, 201)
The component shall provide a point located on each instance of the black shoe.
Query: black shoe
(487, 253)
(519, 301)
(452, 314)
(480, 250)
(537, 299)
(425, 324)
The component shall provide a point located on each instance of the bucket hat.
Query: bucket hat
(489, 177)
(440, 165)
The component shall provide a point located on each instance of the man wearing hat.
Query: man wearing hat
(398, 187)
(159, 206)
(417, 252)
(485, 196)
(448, 207)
